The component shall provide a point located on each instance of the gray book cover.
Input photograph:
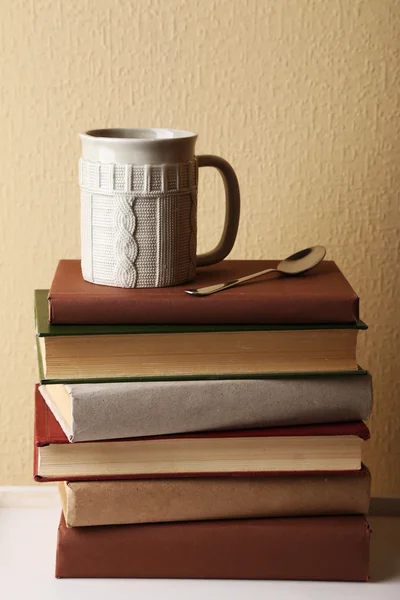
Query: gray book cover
(101, 411)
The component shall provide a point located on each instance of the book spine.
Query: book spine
(156, 408)
(67, 310)
(149, 501)
(314, 548)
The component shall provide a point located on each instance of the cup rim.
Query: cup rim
(118, 134)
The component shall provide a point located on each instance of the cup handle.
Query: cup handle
(232, 209)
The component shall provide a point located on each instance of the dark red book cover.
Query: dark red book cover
(334, 548)
(48, 431)
(321, 296)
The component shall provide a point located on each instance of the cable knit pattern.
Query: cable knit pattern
(126, 248)
(138, 225)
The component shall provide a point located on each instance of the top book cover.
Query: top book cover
(321, 296)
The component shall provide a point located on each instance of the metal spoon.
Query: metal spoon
(293, 265)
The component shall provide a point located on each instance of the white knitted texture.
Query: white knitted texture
(138, 223)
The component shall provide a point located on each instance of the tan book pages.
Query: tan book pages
(201, 455)
(204, 353)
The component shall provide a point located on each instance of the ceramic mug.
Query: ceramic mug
(139, 207)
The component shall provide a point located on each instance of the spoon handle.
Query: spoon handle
(212, 289)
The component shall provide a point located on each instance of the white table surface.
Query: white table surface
(27, 556)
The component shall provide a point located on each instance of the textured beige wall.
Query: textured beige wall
(302, 96)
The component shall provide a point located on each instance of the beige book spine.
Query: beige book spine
(149, 501)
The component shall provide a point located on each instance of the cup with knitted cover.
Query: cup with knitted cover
(139, 207)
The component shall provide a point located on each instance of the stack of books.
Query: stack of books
(216, 437)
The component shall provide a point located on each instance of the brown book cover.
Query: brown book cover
(321, 296)
(87, 503)
(311, 548)
(49, 432)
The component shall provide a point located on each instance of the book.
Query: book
(328, 447)
(321, 296)
(162, 407)
(88, 503)
(313, 548)
(76, 352)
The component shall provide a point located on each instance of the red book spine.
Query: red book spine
(322, 296)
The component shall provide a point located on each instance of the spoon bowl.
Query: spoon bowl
(296, 264)
(302, 261)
